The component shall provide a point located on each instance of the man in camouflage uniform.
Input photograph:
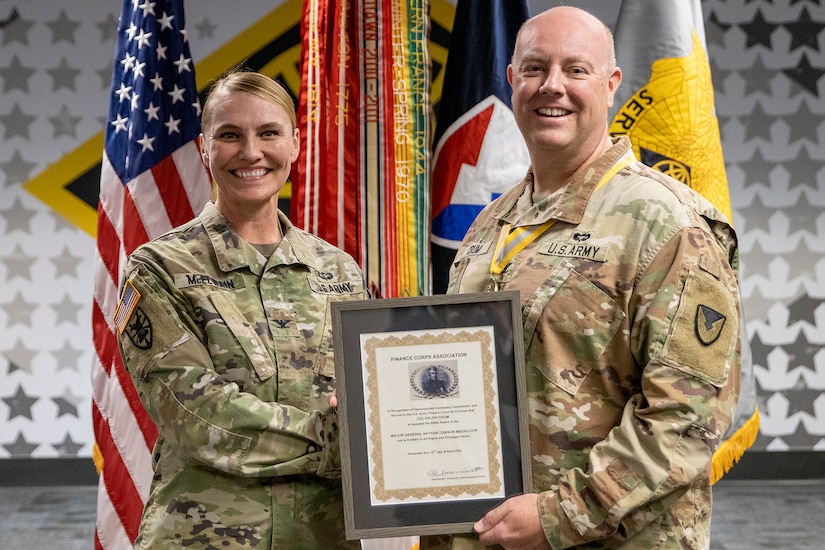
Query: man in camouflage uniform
(630, 309)
(229, 346)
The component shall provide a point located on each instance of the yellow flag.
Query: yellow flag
(665, 106)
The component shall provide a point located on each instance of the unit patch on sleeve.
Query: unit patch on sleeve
(705, 331)
(709, 324)
(139, 329)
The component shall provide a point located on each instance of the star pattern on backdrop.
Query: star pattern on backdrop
(803, 309)
(108, 30)
(767, 442)
(64, 123)
(806, 75)
(804, 402)
(105, 75)
(758, 31)
(778, 371)
(206, 28)
(804, 170)
(19, 404)
(20, 448)
(802, 216)
(801, 352)
(758, 123)
(755, 77)
(60, 223)
(15, 76)
(715, 30)
(16, 30)
(759, 350)
(719, 78)
(18, 217)
(19, 264)
(67, 403)
(21, 356)
(802, 261)
(66, 264)
(19, 311)
(782, 71)
(63, 76)
(757, 215)
(758, 262)
(756, 304)
(63, 28)
(17, 169)
(67, 310)
(801, 439)
(67, 447)
(805, 31)
(16, 123)
(723, 122)
(757, 170)
(804, 123)
(67, 357)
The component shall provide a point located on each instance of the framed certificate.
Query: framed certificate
(429, 391)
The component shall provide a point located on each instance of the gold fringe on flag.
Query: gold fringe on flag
(732, 448)
(97, 458)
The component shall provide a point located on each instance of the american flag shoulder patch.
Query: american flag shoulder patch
(126, 306)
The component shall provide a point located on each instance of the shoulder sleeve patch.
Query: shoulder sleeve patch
(705, 331)
(149, 330)
(129, 299)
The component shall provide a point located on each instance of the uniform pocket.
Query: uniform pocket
(705, 329)
(568, 324)
(229, 331)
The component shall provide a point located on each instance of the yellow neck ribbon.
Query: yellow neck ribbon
(511, 241)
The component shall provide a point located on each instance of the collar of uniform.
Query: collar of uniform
(517, 208)
(232, 254)
(228, 247)
(296, 247)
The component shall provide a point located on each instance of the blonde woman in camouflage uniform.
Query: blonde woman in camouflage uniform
(228, 341)
(630, 308)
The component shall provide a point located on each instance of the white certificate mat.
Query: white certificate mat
(433, 429)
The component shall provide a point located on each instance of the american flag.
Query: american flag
(151, 180)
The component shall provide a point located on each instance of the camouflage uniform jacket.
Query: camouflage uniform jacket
(231, 356)
(631, 316)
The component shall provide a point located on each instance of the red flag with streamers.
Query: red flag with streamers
(151, 180)
(362, 179)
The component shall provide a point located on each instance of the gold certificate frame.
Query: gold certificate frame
(429, 391)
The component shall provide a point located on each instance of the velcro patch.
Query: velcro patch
(706, 329)
(129, 299)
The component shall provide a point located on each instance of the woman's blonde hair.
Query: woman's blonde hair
(240, 79)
